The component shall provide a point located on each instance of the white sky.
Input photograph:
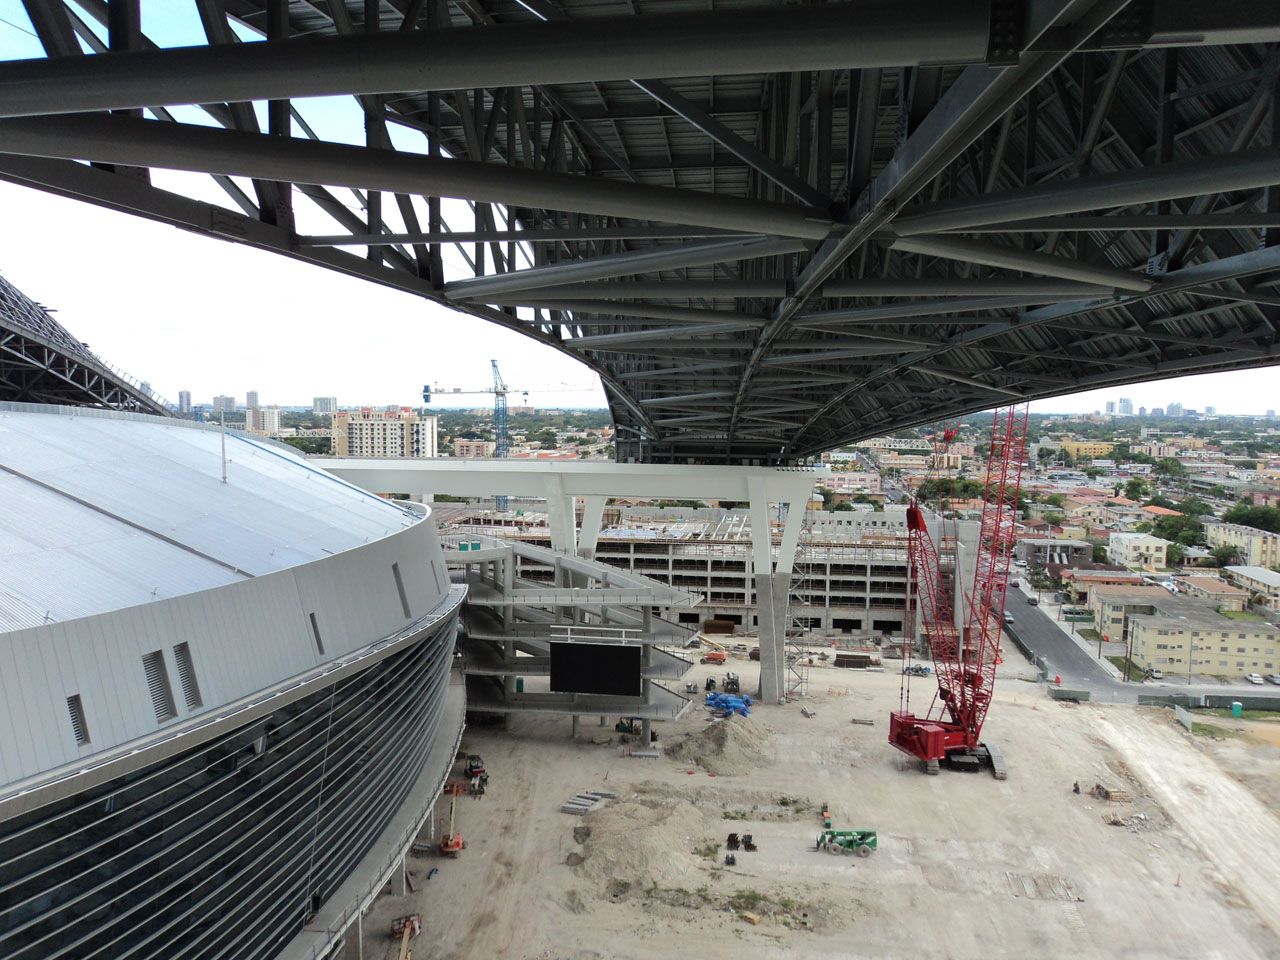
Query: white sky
(186, 312)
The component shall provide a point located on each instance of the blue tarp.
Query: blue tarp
(730, 703)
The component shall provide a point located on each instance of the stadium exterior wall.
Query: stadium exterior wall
(211, 800)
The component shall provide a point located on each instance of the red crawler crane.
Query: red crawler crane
(964, 656)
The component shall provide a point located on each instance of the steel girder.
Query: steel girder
(770, 230)
(40, 362)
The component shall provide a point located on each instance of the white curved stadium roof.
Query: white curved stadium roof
(101, 511)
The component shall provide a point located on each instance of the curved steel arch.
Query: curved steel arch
(821, 223)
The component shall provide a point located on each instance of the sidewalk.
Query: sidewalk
(1054, 611)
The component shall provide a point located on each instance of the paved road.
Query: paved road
(1080, 670)
(1065, 657)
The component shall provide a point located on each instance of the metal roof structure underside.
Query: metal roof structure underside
(41, 362)
(771, 228)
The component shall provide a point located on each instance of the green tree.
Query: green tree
(309, 444)
(843, 508)
(1174, 553)
(1193, 507)
(1099, 553)
(1170, 467)
(1225, 556)
(1136, 488)
(1056, 500)
(1260, 518)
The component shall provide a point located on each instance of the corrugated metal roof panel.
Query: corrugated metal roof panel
(102, 512)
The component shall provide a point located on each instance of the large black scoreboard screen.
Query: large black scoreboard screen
(612, 669)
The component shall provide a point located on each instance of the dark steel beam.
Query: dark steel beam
(993, 255)
(978, 98)
(874, 33)
(207, 150)
(1131, 222)
(619, 264)
(1184, 178)
(547, 235)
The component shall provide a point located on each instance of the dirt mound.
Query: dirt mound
(726, 747)
(634, 844)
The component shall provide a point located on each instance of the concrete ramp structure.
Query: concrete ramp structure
(777, 497)
(511, 623)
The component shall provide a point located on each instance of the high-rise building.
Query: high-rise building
(184, 401)
(1210, 411)
(1111, 407)
(325, 405)
(265, 420)
(1125, 407)
(1157, 411)
(251, 399)
(1142, 411)
(1271, 414)
(383, 433)
(224, 404)
(1175, 409)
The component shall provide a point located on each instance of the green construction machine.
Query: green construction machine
(835, 842)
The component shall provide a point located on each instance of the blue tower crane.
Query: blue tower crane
(502, 441)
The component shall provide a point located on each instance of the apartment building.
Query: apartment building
(1040, 552)
(1217, 591)
(1187, 637)
(1258, 548)
(263, 420)
(1086, 449)
(383, 433)
(1262, 585)
(1112, 605)
(474, 449)
(1137, 550)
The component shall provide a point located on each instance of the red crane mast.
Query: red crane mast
(964, 654)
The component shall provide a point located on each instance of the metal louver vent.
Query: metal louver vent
(158, 684)
(78, 725)
(187, 676)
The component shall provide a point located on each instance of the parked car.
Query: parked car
(1034, 601)
(1008, 617)
(1273, 678)
(1155, 674)
(1253, 678)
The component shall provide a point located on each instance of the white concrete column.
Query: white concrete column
(592, 520)
(770, 614)
(560, 514)
(398, 885)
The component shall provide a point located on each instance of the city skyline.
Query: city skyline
(183, 326)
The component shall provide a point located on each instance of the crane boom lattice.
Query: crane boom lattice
(964, 653)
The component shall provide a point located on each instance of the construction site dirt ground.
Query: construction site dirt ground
(967, 866)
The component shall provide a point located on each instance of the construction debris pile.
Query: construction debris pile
(728, 747)
(635, 843)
